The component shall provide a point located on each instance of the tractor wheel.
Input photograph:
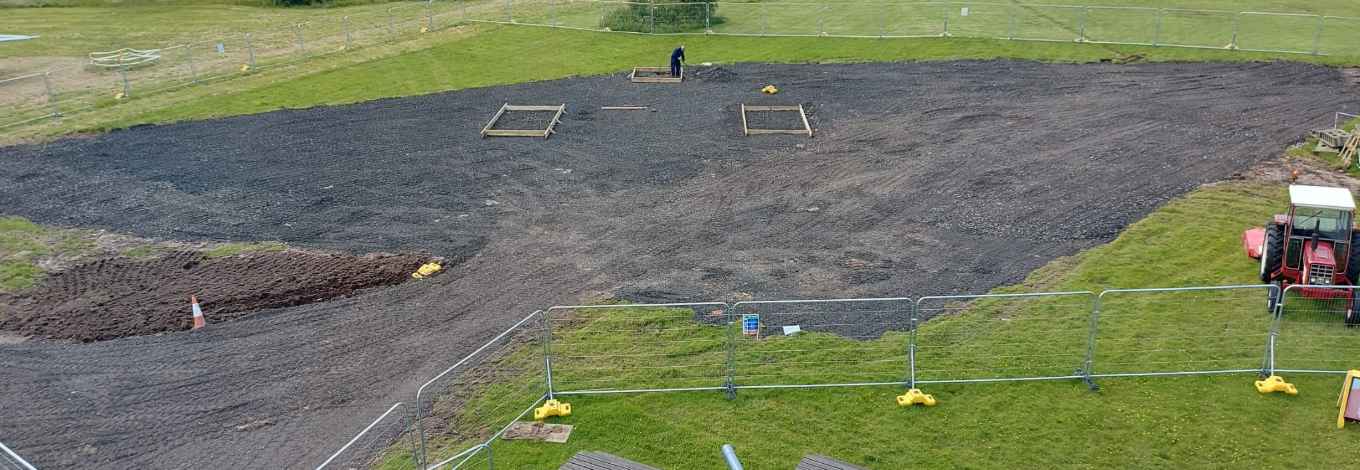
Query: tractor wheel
(1353, 261)
(1272, 253)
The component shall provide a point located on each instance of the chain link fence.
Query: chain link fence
(902, 342)
(46, 95)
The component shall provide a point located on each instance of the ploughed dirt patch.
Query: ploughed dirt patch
(122, 296)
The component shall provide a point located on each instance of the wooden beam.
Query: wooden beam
(744, 129)
(802, 115)
(622, 108)
(495, 118)
(633, 77)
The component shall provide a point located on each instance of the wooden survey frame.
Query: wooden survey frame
(633, 77)
(488, 131)
(747, 130)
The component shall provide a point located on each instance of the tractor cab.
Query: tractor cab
(1314, 243)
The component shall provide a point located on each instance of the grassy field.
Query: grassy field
(1199, 422)
(484, 55)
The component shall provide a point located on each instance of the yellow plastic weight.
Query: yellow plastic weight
(552, 408)
(769, 90)
(1274, 384)
(426, 270)
(915, 397)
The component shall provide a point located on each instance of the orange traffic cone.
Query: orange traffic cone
(198, 313)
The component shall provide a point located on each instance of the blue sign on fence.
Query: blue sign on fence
(750, 324)
(221, 48)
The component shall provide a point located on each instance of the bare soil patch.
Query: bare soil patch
(120, 297)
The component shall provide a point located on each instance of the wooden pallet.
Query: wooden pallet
(747, 130)
(544, 133)
(633, 77)
(1348, 151)
(822, 462)
(601, 461)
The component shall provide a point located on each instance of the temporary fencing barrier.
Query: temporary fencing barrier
(716, 346)
(1317, 330)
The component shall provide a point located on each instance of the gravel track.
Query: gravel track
(928, 178)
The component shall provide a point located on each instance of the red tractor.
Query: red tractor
(1313, 245)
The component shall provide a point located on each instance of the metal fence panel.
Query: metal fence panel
(1340, 35)
(1278, 32)
(1121, 25)
(792, 19)
(26, 99)
(820, 342)
(1194, 330)
(373, 446)
(998, 337)
(1318, 330)
(480, 395)
(1196, 28)
(637, 347)
(1048, 22)
(11, 460)
(980, 20)
(741, 18)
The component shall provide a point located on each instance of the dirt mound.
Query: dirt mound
(119, 297)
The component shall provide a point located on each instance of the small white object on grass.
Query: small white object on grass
(707, 64)
(791, 330)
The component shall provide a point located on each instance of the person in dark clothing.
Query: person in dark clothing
(677, 56)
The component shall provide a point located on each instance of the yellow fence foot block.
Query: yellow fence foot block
(915, 397)
(552, 408)
(1275, 384)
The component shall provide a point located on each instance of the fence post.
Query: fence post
(509, 11)
(51, 100)
(708, 13)
(945, 33)
(1237, 19)
(189, 57)
(429, 16)
(1157, 30)
(1088, 367)
(911, 345)
(1268, 369)
(302, 47)
(821, 21)
(250, 51)
(391, 28)
(1317, 35)
(764, 19)
(552, 13)
(651, 17)
(349, 39)
(547, 350)
(882, 25)
(1010, 25)
(733, 322)
(127, 87)
(1081, 29)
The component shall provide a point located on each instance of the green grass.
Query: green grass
(21, 242)
(1132, 423)
(499, 55)
(77, 31)
(233, 249)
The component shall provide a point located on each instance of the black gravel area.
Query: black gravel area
(783, 120)
(924, 178)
